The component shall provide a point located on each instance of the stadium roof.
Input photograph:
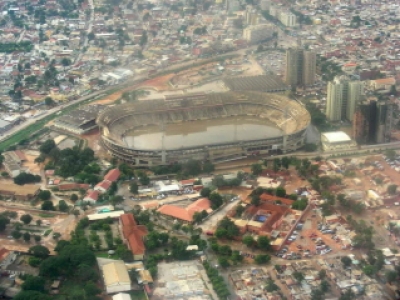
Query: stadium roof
(81, 116)
(336, 136)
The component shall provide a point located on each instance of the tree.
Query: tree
(298, 276)
(44, 195)
(264, 243)
(390, 154)
(248, 240)
(134, 188)
(115, 200)
(31, 295)
(16, 234)
(33, 283)
(144, 179)
(4, 221)
(262, 259)
(216, 200)
(38, 222)
(280, 192)
(48, 145)
(205, 192)
(208, 167)
(322, 274)
(48, 205)
(63, 206)
(37, 238)
(391, 276)
(65, 62)
(26, 219)
(223, 262)
(325, 286)
(271, 286)
(49, 101)
(255, 200)
(74, 197)
(34, 261)
(24, 178)
(369, 270)
(392, 189)
(348, 295)
(26, 236)
(256, 169)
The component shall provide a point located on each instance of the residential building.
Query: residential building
(112, 175)
(342, 98)
(133, 235)
(287, 18)
(19, 192)
(372, 123)
(91, 197)
(300, 67)
(116, 277)
(257, 33)
(186, 214)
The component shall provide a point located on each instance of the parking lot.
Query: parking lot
(313, 237)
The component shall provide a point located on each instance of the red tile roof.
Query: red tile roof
(133, 233)
(112, 175)
(186, 214)
(3, 253)
(104, 184)
(269, 198)
(188, 182)
(94, 195)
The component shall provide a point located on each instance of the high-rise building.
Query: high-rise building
(372, 122)
(300, 67)
(342, 98)
(257, 33)
(309, 66)
(287, 18)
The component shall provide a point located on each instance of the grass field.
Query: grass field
(138, 295)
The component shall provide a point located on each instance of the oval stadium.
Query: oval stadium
(216, 127)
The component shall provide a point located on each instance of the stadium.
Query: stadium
(216, 127)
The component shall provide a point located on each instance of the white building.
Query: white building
(116, 277)
(337, 140)
(257, 33)
(287, 18)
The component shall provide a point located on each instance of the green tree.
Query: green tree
(16, 234)
(47, 205)
(256, 169)
(44, 195)
(208, 167)
(369, 270)
(262, 259)
(31, 295)
(216, 200)
(280, 192)
(49, 101)
(255, 200)
(33, 283)
(134, 188)
(26, 236)
(264, 243)
(48, 145)
(223, 262)
(205, 192)
(39, 251)
(392, 189)
(298, 276)
(391, 276)
(115, 200)
(26, 219)
(74, 197)
(248, 240)
(348, 295)
(4, 221)
(63, 206)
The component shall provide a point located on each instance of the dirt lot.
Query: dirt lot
(311, 220)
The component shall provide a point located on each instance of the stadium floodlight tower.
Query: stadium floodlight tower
(284, 128)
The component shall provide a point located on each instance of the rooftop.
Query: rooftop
(336, 136)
